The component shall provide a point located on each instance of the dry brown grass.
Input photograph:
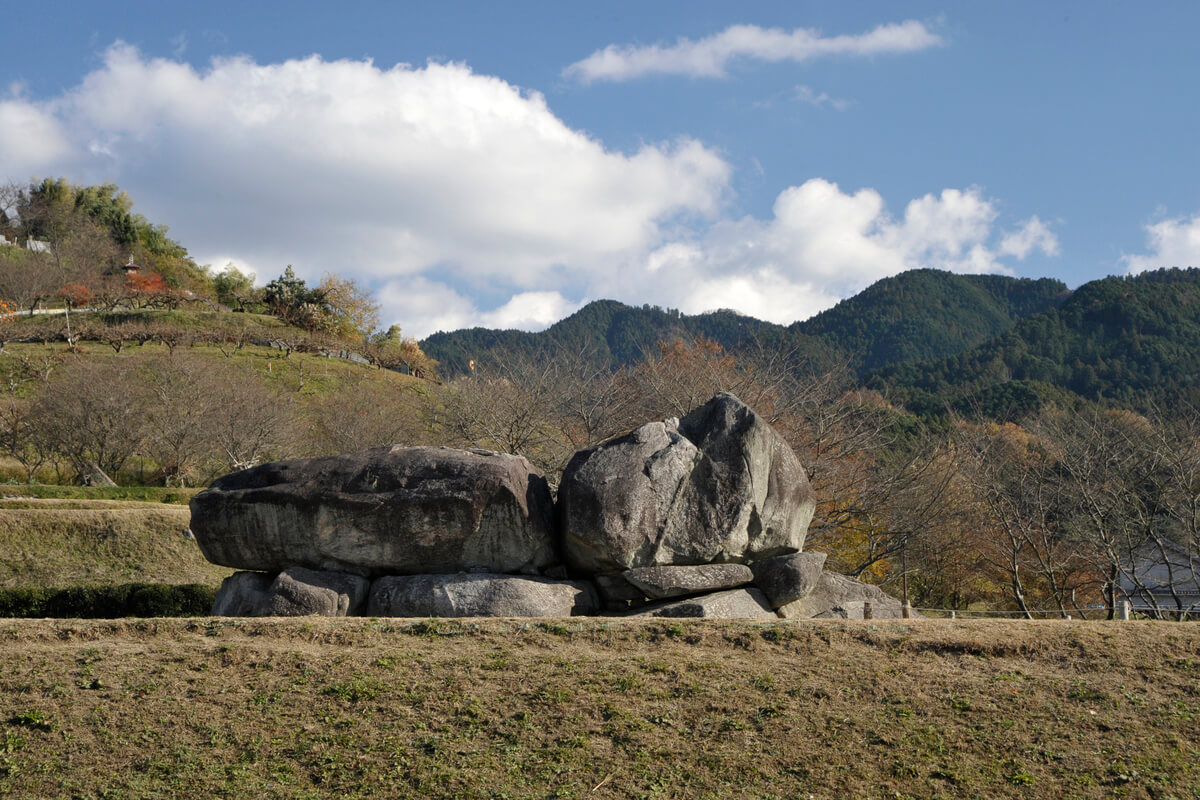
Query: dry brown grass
(591, 708)
(61, 543)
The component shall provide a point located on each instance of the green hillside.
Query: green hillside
(613, 333)
(1128, 341)
(928, 314)
(919, 314)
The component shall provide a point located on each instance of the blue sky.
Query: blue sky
(501, 163)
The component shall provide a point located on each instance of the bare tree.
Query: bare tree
(1019, 477)
(366, 413)
(93, 414)
(249, 422)
(22, 434)
(507, 405)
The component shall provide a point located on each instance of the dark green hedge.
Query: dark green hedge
(109, 602)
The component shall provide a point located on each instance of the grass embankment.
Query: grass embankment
(12, 495)
(598, 709)
(48, 543)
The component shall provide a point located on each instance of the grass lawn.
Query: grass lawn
(594, 708)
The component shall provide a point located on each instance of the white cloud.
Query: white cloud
(823, 244)
(1173, 242)
(709, 57)
(31, 139)
(1033, 235)
(440, 188)
(344, 165)
(426, 306)
(806, 94)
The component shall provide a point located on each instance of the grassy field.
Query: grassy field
(48, 543)
(592, 708)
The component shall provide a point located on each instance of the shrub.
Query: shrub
(109, 602)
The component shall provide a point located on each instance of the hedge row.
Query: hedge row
(109, 602)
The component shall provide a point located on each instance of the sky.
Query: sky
(502, 164)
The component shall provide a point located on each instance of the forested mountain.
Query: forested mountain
(921, 314)
(1129, 341)
(928, 314)
(619, 335)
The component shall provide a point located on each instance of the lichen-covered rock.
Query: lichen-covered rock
(721, 487)
(843, 597)
(733, 604)
(786, 579)
(385, 510)
(662, 583)
(463, 595)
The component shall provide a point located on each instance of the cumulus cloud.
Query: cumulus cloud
(463, 200)
(1173, 242)
(1033, 235)
(427, 306)
(328, 164)
(31, 138)
(709, 57)
(824, 244)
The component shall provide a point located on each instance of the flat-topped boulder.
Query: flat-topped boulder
(720, 486)
(662, 583)
(381, 511)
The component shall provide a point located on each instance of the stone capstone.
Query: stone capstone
(733, 604)
(842, 597)
(721, 486)
(381, 511)
(786, 579)
(463, 595)
(665, 582)
(295, 592)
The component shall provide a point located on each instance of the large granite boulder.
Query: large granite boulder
(662, 583)
(786, 579)
(463, 595)
(721, 486)
(733, 604)
(295, 592)
(385, 510)
(840, 596)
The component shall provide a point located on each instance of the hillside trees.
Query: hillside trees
(93, 414)
(234, 288)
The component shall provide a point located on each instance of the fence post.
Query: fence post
(1123, 610)
(867, 612)
(906, 611)
(953, 614)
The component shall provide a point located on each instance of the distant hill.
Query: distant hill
(928, 314)
(920, 314)
(1129, 341)
(615, 333)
